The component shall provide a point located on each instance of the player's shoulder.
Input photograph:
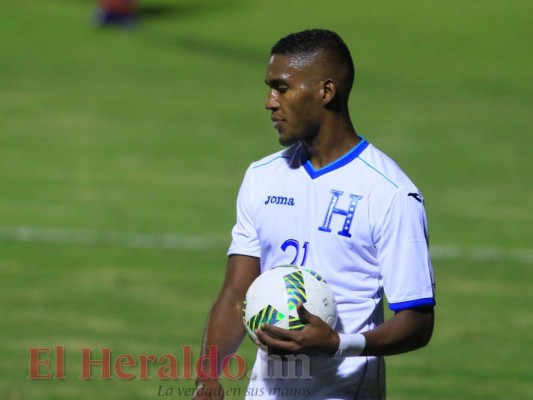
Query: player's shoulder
(383, 171)
(286, 158)
(269, 161)
(389, 184)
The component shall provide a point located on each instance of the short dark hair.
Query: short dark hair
(312, 40)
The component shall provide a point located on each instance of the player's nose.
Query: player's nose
(271, 101)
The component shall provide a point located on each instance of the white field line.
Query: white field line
(198, 242)
(524, 256)
(111, 238)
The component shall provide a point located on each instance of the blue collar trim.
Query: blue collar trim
(341, 162)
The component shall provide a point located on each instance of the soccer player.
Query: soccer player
(348, 212)
(116, 12)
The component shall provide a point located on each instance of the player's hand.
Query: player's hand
(209, 389)
(316, 337)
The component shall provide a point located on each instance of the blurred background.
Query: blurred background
(123, 145)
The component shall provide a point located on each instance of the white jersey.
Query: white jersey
(360, 223)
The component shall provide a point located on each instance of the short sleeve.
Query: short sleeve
(403, 253)
(244, 235)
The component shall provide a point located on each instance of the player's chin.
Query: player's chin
(286, 140)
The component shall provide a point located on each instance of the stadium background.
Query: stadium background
(121, 153)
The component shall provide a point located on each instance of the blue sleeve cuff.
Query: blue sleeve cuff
(405, 305)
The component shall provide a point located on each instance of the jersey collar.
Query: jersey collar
(341, 162)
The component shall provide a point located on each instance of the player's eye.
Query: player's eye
(282, 88)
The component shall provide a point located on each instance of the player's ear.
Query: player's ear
(328, 91)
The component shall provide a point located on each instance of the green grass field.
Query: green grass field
(122, 151)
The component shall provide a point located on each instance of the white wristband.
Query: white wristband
(350, 345)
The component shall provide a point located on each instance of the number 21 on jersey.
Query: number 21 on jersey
(293, 245)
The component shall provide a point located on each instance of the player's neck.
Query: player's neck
(331, 144)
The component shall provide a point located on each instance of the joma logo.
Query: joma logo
(280, 200)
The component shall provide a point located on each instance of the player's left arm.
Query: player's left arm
(401, 239)
(407, 330)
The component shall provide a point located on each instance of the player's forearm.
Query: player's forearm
(408, 330)
(225, 329)
(223, 333)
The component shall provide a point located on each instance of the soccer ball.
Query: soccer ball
(273, 296)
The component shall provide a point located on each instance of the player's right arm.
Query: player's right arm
(224, 328)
